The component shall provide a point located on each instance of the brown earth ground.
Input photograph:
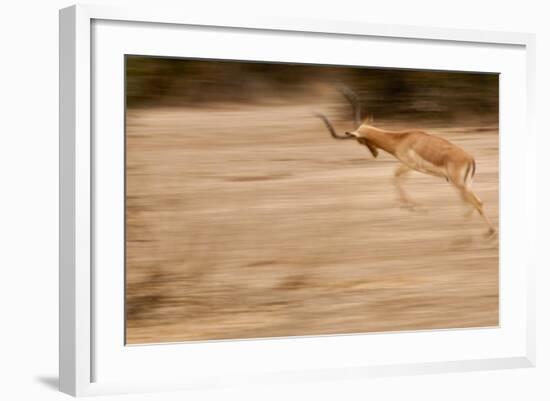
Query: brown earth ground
(250, 221)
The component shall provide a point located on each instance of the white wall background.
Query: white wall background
(29, 186)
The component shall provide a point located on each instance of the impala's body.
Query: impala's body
(428, 154)
(417, 150)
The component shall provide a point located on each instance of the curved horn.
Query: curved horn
(353, 99)
(331, 128)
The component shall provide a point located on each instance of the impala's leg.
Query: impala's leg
(469, 196)
(470, 211)
(398, 177)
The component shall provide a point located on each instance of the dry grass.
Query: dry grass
(251, 221)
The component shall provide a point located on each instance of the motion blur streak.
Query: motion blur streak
(245, 219)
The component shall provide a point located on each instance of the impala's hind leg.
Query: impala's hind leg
(398, 175)
(469, 196)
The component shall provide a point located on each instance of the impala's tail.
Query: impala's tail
(470, 172)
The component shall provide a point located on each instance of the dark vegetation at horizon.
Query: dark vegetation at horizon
(386, 93)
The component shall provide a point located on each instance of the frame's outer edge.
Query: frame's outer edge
(67, 108)
(531, 188)
(140, 13)
(74, 201)
(75, 211)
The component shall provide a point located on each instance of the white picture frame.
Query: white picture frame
(80, 338)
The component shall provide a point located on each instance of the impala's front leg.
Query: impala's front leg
(398, 176)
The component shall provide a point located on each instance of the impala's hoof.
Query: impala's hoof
(413, 207)
(491, 233)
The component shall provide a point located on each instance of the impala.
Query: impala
(416, 150)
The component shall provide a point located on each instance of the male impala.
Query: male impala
(416, 150)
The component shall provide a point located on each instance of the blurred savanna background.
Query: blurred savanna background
(245, 219)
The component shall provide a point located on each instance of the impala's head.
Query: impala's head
(355, 134)
(363, 140)
(348, 135)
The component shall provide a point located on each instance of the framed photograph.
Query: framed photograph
(276, 200)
